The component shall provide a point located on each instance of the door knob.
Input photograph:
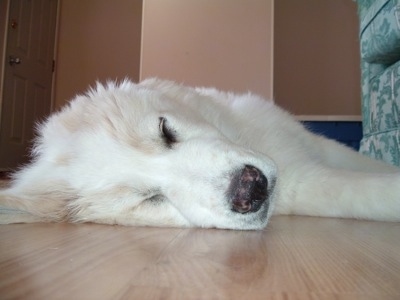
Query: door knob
(14, 60)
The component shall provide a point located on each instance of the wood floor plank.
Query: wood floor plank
(294, 258)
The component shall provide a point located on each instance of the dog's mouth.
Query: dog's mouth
(249, 190)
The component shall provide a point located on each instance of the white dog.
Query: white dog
(161, 154)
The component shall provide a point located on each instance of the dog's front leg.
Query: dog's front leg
(319, 191)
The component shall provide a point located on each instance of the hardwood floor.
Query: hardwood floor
(294, 258)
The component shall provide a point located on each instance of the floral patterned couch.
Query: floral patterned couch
(380, 64)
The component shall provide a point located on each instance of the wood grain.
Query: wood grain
(294, 258)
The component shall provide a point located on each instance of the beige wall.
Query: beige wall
(224, 43)
(98, 40)
(317, 63)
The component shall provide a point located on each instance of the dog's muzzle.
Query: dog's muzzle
(248, 190)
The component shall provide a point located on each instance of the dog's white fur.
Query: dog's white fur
(103, 158)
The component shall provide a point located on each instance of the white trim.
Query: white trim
(55, 57)
(272, 54)
(141, 42)
(4, 46)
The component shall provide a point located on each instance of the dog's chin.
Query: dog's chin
(255, 221)
(237, 221)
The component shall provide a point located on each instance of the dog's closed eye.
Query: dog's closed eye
(156, 199)
(168, 134)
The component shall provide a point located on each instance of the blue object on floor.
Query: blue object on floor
(345, 132)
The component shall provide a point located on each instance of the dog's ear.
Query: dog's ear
(157, 84)
(30, 208)
(169, 88)
(106, 206)
(12, 216)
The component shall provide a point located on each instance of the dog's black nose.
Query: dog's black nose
(248, 190)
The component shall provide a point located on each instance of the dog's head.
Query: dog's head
(146, 158)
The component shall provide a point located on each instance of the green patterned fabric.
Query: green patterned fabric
(380, 65)
(379, 28)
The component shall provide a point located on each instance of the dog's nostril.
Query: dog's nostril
(241, 206)
(248, 190)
